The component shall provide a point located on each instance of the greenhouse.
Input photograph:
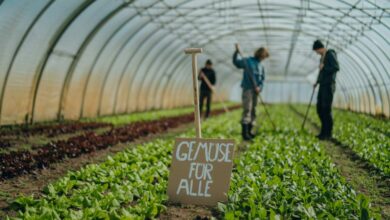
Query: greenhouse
(206, 109)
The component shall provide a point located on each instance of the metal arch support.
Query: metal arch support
(126, 66)
(361, 77)
(93, 66)
(124, 45)
(354, 80)
(379, 73)
(130, 61)
(343, 90)
(163, 73)
(140, 45)
(358, 85)
(159, 74)
(141, 62)
(26, 33)
(178, 82)
(374, 78)
(172, 70)
(357, 63)
(122, 75)
(169, 91)
(53, 43)
(133, 56)
(80, 51)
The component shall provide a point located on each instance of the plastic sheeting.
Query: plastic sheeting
(71, 59)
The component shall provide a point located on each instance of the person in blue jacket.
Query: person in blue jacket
(252, 85)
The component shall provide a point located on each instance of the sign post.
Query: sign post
(201, 168)
(194, 52)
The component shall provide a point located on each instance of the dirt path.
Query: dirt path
(35, 182)
(179, 212)
(358, 172)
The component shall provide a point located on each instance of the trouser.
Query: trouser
(249, 103)
(205, 95)
(324, 108)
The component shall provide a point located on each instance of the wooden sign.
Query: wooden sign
(200, 171)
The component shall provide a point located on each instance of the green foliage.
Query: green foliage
(366, 136)
(284, 174)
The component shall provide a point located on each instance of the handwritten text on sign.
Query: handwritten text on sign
(200, 171)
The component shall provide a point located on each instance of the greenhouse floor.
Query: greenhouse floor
(284, 172)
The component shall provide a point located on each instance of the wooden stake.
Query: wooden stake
(194, 52)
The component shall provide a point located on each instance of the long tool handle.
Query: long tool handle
(307, 110)
(259, 96)
(208, 83)
(267, 113)
(194, 52)
(196, 96)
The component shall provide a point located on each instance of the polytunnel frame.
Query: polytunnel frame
(130, 59)
(142, 59)
(101, 93)
(18, 47)
(58, 35)
(228, 34)
(99, 54)
(84, 46)
(368, 66)
(180, 63)
(374, 77)
(81, 50)
(53, 43)
(306, 22)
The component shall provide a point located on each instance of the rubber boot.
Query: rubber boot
(251, 135)
(245, 132)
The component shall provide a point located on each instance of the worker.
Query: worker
(329, 66)
(208, 80)
(252, 85)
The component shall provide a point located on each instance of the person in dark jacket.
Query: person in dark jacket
(329, 66)
(208, 80)
(252, 85)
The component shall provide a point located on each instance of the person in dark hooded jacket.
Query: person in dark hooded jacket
(329, 66)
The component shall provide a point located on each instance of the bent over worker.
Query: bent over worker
(329, 66)
(251, 84)
(206, 73)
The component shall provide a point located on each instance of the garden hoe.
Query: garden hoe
(259, 96)
(208, 83)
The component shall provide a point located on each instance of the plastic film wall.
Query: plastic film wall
(69, 59)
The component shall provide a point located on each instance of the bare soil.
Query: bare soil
(179, 212)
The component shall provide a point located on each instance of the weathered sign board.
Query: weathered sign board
(201, 168)
(200, 171)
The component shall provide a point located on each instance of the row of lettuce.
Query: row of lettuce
(367, 136)
(283, 173)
